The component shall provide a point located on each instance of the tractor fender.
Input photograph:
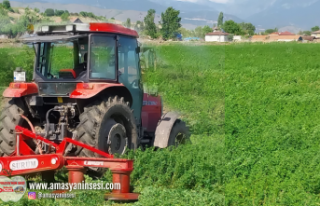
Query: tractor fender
(88, 90)
(164, 128)
(16, 89)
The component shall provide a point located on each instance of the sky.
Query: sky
(240, 8)
(246, 8)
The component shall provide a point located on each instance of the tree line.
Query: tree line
(170, 24)
(65, 14)
(234, 28)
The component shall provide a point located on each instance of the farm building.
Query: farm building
(2, 36)
(286, 38)
(217, 36)
(316, 34)
(257, 38)
(236, 38)
(75, 20)
(285, 33)
(215, 29)
(306, 38)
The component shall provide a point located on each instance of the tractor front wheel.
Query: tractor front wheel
(107, 125)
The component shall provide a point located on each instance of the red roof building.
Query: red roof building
(285, 33)
(217, 33)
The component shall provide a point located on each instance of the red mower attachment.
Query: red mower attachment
(24, 161)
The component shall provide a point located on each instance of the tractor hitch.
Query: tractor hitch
(24, 161)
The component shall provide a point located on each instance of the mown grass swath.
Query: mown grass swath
(191, 81)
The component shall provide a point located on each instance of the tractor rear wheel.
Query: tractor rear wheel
(179, 134)
(11, 117)
(107, 125)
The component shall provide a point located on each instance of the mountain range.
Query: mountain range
(192, 15)
(291, 15)
(288, 13)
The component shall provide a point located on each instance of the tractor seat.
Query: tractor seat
(67, 74)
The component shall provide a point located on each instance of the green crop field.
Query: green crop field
(254, 116)
(272, 124)
(190, 79)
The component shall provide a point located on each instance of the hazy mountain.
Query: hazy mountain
(297, 14)
(192, 14)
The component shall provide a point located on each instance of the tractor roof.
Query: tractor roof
(47, 33)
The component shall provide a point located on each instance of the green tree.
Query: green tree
(150, 26)
(170, 22)
(36, 10)
(185, 32)
(139, 26)
(316, 28)
(91, 15)
(232, 27)
(201, 31)
(65, 16)
(307, 33)
(6, 4)
(128, 23)
(248, 28)
(198, 31)
(60, 12)
(102, 18)
(83, 13)
(269, 31)
(220, 20)
(230, 37)
(49, 12)
(206, 29)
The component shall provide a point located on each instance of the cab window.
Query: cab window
(128, 57)
(102, 57)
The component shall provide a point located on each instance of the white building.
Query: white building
(3, 36)
(316, 34)
(236, 38)
(217, 36)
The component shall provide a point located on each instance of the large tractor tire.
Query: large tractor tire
(179, 134)
(171, 131)
(11, 117)
(107, 125)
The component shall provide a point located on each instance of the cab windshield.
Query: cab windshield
(63, 59)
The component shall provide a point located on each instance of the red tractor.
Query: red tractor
(86, 86)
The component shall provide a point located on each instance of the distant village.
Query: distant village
(218, 35)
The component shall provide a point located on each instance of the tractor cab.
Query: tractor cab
(63, 53)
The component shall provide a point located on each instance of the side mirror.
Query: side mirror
(138, 50)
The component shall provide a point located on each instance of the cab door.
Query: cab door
(129, 72)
